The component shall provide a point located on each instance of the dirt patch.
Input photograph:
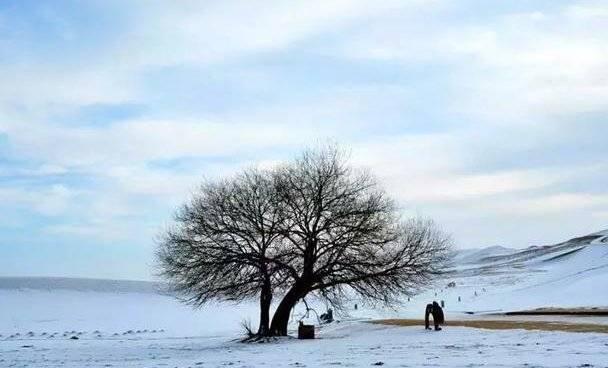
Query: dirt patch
(506, 325)
(561, 312)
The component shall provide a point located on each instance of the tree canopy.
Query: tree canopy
(315, 225)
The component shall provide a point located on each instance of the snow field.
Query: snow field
(352, 344)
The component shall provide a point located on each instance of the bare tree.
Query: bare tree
(223, 243)
(314, 226)
(345, 235)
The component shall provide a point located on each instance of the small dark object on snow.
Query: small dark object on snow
(458, 298)
(74, 338)
(355, 306)
(452, 284)
(442, 304)
(329, 316)
(306, 331)
(378, 363)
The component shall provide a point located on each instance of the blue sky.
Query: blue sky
(488, 116)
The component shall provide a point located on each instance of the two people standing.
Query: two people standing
(437, 312)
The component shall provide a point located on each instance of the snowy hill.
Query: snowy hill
(573, 273)
(60, 308)
(466, 256)
(79, 284)
(500, 258)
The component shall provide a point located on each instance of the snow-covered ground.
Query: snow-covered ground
(89, 323)
(347, 344)
(66, 313)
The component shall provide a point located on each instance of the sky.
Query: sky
(489, 117)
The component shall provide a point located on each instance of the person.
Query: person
(437, 313)
(438, 317)
(328, 317)
(427, 313)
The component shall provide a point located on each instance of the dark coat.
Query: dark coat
(437, 313)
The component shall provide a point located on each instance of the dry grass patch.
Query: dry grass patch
(561, 312)
(506, 325)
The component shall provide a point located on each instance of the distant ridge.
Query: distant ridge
(498, 259)
(497, 255)
(81, 284)
(476, 255)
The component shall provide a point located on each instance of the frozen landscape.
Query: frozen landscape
(102, 323)
(346, 344)
(303, 183)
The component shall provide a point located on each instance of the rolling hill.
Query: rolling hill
(573, 273)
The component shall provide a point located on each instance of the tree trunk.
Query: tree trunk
(265, 301)
(299, 290)
(280, 320)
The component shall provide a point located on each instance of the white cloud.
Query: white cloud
(53, 200)
(505, 68)
(206, 32)
(85, 232)
(495, 72)
(42, 170)
(588, 11)
(433, 168)
(601, 215)
(171, 34)
(39, 90)
(554, 203)
(145, 140)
